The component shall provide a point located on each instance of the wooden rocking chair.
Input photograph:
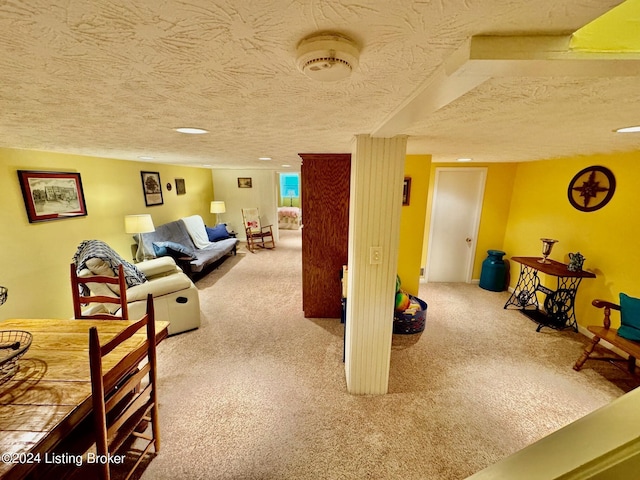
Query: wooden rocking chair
(257, 235)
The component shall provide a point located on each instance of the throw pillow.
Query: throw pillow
(173, 249)
(219, 232)
(629, 317)
(159, 251)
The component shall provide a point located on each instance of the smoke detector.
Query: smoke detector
(327, 57)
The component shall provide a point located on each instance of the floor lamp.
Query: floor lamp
(218, 207)
(138, 224)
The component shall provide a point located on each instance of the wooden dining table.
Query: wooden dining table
(50, 394)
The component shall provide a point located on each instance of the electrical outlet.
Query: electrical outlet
(375, 255)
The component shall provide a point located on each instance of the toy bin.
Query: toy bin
(413, 319)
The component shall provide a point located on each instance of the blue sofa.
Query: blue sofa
(182, 239)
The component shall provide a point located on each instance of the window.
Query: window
(289, 186)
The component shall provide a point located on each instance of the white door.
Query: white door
(455, 218)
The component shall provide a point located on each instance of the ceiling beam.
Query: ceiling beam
(485, 57)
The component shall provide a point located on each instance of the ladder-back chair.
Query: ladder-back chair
(257, 234)
(125, 397)
(78, 290)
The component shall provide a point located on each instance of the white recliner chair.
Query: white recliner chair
(175, 297)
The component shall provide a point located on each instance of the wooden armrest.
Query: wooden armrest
(604, 304)
(608, 306)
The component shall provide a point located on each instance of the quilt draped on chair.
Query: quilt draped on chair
(98, 249)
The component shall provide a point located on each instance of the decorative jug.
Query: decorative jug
(493, 274)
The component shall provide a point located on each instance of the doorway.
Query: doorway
(455, 219)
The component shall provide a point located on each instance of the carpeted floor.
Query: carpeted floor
(258, 392)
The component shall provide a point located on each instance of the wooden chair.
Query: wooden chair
(610, 335)
(120, 405)
(80, 299)
(257, 235)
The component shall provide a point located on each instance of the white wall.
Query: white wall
(263, 195)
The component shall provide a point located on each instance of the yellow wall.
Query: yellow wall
(495, 209)
(615, 31)
(608, 238)
(35, 258)
(412, 222)
(495, 212)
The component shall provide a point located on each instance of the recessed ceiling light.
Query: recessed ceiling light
(206, 165)
(465, 160)
(634, 129)
(264, 158)
(191, 130)
(286, 166)
(146, 157)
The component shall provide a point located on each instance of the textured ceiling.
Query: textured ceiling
(112, 78)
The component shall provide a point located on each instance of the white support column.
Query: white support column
(377, 173)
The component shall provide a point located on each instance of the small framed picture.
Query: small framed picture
(52, 195)
(406, 190)
(244, 182)
(181, 189)
(152, 188)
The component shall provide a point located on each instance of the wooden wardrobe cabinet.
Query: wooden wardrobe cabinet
(325, 180)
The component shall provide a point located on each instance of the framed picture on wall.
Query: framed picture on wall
(181, 188)
(52, 195)
(406, 191)
(244, 182)
(152, 188)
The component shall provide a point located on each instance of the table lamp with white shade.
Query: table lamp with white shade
(138, 224)
(218, 207)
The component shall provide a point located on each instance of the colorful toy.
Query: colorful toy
(402, 301)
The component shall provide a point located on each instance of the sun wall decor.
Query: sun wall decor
(591, 188)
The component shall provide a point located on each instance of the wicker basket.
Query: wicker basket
(404, 323)
(13, 345)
